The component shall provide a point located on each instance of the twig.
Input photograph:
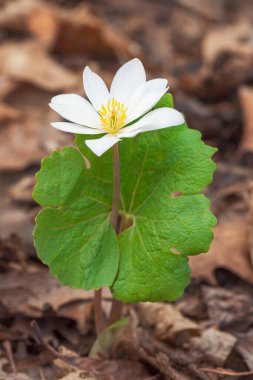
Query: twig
(41, 373)
(226, 372)
(39, 338)
(8, 349)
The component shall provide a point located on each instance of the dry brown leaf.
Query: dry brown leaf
(8, 113)
(30, 293)
(210, 9)
(246, 101)
(28, 141)
(230, 43)
(22, 190)
(28, 61)
(103, 40)
(11, 376)
(229, 250)
(229, 308)
(78, 375)
(168, 323)
(245, 347)
(14, 14)
(250, 215)
(105, 369)
(216, 345)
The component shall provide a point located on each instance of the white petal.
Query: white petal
(145, 97)
(95, 88)
(157, 119)
(100, 146)
(126, 81)
(76, 109)
(75, 128)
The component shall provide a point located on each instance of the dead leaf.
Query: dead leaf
(245, 347)
(31, 293)
(168, 323)
(22, 190)
(229, 308)
(215, 345)
(8, 113)
(28, 141)
(78, 375)
(29, 62)
(107, 369)
(103, 41)
(11, 376)
(229, 250)
(236, 39)
(246, 101)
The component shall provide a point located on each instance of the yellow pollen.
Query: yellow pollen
(112, 115)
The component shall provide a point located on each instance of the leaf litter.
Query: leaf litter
(43, 50)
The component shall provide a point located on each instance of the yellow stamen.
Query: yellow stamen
(112, 115)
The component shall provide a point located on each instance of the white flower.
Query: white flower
(130, 97)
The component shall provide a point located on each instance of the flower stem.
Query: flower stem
(116, 188)
(98, 312)
(116, 308)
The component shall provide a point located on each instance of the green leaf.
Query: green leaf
(73, 235)
(106, 343)
(165, 101)
(166, 228)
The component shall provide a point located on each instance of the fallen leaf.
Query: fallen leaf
(246, 101)
(28, 141)
(22, 190)
(229, 250)
(8, 113)
(31, 293)
(245, 347)
(216, 345)
(168, 323)
(229, 308)
(28, 61)
(104, 41)
(78, 375)
(230, 43)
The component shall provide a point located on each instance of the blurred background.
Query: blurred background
(205, 49)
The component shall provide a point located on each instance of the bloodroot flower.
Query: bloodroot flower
(110, 113)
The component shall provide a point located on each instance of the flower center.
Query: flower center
(112, 115)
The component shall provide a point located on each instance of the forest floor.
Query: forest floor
(205, 49)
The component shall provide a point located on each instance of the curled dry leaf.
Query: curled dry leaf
(229, 250)
(29, 62)
(168, 323)
(216, 345)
